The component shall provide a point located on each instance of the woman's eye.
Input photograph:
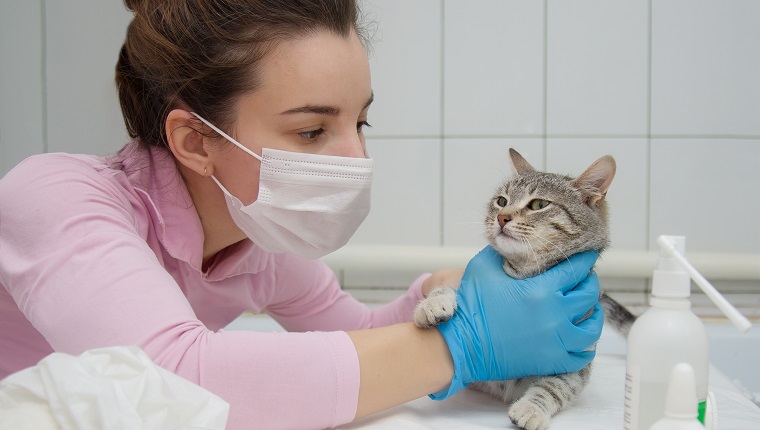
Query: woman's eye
(501, 201)
(360, 126)
(312, 134)
(538, 204)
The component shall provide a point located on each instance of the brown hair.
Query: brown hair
(204, 53)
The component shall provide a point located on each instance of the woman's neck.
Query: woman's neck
(219, 230)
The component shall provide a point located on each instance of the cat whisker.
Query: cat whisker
(472, 233)
(533, 251)
(538, 236)
(476, 223)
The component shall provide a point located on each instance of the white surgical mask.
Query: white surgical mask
(308, 204)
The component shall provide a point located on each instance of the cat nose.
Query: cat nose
(503, 220)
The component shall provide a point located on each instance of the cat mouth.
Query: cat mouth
(509, 238)
(505, 236)
(506, 233)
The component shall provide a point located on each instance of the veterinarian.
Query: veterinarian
(247, 164)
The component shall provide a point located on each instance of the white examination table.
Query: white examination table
(600, 406)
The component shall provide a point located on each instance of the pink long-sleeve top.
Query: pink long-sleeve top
(107, 251)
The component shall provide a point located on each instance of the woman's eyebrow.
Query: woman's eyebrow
(318, 109)
(324, 109)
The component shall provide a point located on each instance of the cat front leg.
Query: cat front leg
(547, 396)
(439, 306)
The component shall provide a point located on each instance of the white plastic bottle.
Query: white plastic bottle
(681, 402)
(666, 334)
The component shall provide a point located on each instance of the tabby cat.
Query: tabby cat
(536, 220)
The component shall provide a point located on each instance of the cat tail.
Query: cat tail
(616, 314)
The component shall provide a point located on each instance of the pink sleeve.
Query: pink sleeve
(73, 261)
(308, 297)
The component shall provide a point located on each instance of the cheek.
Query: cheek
(540, 223)
(546, 232)
(559, 226)
(240, 175)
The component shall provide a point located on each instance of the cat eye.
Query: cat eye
(538, 204)
(501, 201)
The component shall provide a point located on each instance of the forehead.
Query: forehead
(322, 68)
(540, 184)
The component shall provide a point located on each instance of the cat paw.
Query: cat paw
(439, 306)
(528, 416)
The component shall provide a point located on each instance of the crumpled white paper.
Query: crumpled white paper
(108, 388)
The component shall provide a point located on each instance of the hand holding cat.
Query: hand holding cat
(506, 328)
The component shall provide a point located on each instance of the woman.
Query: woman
(248, 162)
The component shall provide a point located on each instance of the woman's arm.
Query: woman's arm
(399, 363)
(445, 278)
(76, 265)
(308, 297)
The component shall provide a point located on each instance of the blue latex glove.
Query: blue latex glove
(507, 329)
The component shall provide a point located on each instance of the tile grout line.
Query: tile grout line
(546, 85)
(648, 220)
(43, 75)
(441, 130)
(565, 136)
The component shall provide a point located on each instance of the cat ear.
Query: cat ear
(596, 180)
(519, 165)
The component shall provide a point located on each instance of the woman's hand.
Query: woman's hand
(506, 328)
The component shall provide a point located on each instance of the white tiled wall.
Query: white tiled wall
(21, 83)
(671, 88)
(597, 62)
(408, 92)
(708, 191)
(404, 213)
(82, 46)
(706, 68)
(493, 67)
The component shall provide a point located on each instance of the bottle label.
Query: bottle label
(632, 384)
(653, 402)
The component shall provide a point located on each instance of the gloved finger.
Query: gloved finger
(487, 256)
(486, 261)
(578, 338)
(567, 274)
(578, 360)
(582, 298)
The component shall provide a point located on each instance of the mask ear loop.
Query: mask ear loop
(223, 134)
(226, 136)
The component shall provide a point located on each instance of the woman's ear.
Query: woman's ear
(186, 142)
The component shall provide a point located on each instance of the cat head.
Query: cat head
(537, 219)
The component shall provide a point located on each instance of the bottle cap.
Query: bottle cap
(672, 255)
(670, 280)
(681, 401)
